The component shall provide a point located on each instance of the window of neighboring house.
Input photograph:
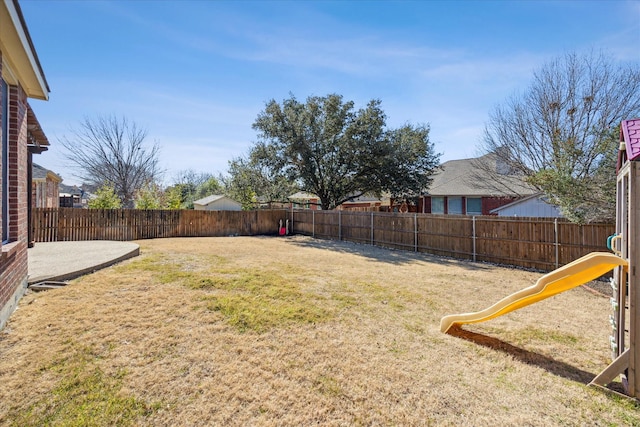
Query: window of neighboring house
(474, 206)
(437, 205)
(4, 114)
(454, 205)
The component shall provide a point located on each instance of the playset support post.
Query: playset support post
(626, 360)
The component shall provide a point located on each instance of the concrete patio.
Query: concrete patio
(59, 261)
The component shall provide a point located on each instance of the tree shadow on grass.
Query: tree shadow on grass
(550, 365)
(384, 254)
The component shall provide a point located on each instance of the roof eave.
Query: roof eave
(19, 52)
(37, 139)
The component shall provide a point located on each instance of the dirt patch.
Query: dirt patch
(296, 331)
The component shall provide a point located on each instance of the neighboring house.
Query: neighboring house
(302, 200)
(73, 197)
(217, 203)
(366, 201)
(44, 188)
(535, 205)
(264, 203)
(473, 187)
(21, 77)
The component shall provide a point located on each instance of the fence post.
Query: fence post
(339, 225)
(474, 237)
(291, 218)
(415, 232)
(555, 232)
(313, 222)
(372, 239)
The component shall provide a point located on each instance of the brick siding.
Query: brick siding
(488, 204)
(13, 256)
(491, 203)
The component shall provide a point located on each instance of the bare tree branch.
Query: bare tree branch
(111, 151)
(558, 133)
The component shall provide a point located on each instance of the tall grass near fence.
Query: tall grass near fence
(539, 243)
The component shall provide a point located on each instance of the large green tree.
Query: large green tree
(251, 180)
(328, 148)
(561, 133)
(105, 197)
(152, 196)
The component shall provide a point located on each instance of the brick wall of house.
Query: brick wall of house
(490, 203)
(2, 115)
(424, 204)
(13, 255)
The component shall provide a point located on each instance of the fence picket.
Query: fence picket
(523, 242)
(539, 243)
(70, 224)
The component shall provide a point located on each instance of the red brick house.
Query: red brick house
(21, 77)
(473, 187)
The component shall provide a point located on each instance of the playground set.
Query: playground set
(624, 261)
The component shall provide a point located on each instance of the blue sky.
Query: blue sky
(196, 74)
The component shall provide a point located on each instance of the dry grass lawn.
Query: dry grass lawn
(296, 331)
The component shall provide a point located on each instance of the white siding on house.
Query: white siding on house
(532, 206)
(216, 203)
(224, 205)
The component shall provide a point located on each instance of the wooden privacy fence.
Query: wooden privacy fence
(68, 224)
(539, 243)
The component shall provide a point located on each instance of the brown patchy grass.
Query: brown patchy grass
(273, 331)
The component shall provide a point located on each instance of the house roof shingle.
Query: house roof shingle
(480, 176)
(38, 173)
(210, 199)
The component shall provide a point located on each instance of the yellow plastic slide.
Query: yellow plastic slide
(574, 274)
